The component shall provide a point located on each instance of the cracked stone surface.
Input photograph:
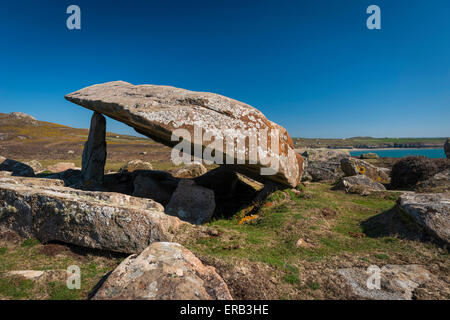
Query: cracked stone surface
(157, 111)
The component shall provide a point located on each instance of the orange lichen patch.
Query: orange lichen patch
(268, 204)
(248, 219)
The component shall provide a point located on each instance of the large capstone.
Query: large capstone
(94, 153)
(163, 113)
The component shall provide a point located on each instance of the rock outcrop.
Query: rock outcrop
(359, 184)
(323, 164)
(94, 152)
(191, 202)
(158, 111)
(440, 182)
(16, 168)
(43, 209)
(192, 170)
(430, 210)
(397, 282)
(35, 165)
(134, 165)
(353, 167)
(61, 167)
(163, 271)
(369, 155)
(447, 148)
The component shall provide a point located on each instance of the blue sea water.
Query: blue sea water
(400, 153)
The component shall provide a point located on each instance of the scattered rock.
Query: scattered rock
(353, 167)
(94, 152)
(359, 184)
(191, 202)
(100, 220)
(156, 185)
(323, 164)
(324, 154)
(431, 211)
(16, 168)
(397, 282)
(61, 166)
(409, 171)
(35, 165)
(71, 178)
(133, 165)
(43, 276)
(163, 271)
(369, 155)
(447, 148)
(191, 170)
(440, 182)
(143, 153)
(158, 111)
(71, 152)
(23, 117)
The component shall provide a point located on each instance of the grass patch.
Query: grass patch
(15, 287)
(30, 243)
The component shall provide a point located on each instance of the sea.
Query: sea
(402, 152)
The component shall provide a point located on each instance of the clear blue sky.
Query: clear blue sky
(311, 66)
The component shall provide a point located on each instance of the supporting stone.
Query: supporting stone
(94, 153)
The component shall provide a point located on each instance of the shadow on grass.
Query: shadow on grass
(394, 223)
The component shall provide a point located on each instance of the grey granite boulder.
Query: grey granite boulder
(44, 209)
(396, 282)
(430, 210)
(360, 184)
(16, 168)
(191, 202)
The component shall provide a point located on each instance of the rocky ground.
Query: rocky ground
(315, 241)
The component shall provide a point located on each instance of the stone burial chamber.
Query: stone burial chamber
(160, 112)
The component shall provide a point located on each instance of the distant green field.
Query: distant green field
(368, 142)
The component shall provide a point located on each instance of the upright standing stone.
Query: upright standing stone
(94, 153)
(447, 148)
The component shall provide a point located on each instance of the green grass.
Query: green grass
(3, 250)
(29, 243)
(16, 287)
(59, 291)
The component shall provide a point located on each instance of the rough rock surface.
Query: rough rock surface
(156, 185)
(323, 154)
(163, 271)
(440, 182)
(447, 148)
(360, 184)
(133, 165)
(42, 209)
(157, 111)
(35, 165)
(191, 202)
(397, 282)
(61, 166)
(192, 170)
(16, 168)
(430, 210)
(94, 152)
(369, 155)
(323, 164)
(353, 167)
